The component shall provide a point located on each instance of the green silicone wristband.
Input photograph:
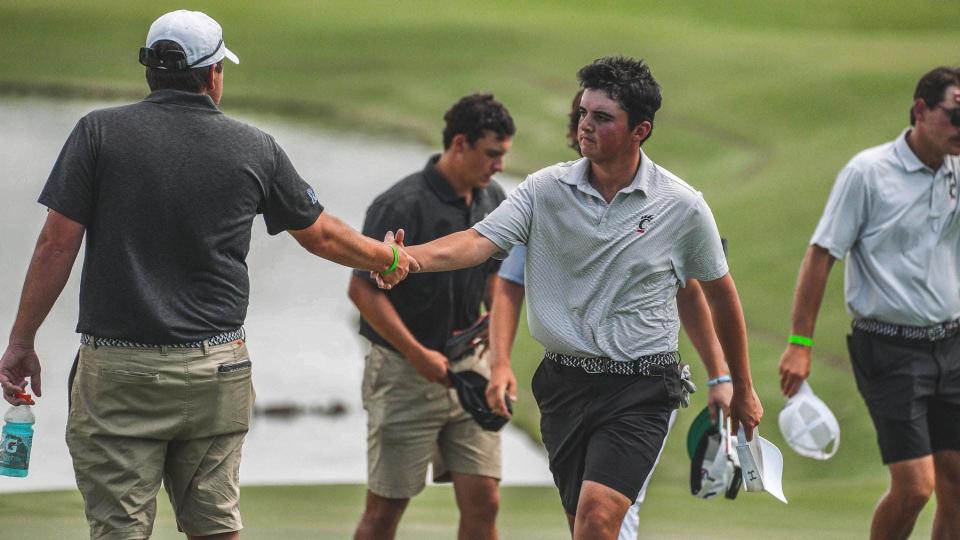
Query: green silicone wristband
(396, 259)
(800, 340)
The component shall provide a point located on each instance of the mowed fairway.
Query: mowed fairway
(763, 103)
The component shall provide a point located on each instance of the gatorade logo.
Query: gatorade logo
(11, 446)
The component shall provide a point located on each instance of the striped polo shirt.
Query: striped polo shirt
(601, 279)
(898, 220)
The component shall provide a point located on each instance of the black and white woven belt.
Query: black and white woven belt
(920, 333)
(652, 364)
(219, 339)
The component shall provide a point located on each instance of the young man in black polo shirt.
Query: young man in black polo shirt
(413, 417)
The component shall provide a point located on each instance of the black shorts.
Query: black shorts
(912, 389)
(604, 428)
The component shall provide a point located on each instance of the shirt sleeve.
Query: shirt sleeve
(290, 204)
(698, 251)
(509, 225)
(844, 214)
(70, 188)
(512, 267)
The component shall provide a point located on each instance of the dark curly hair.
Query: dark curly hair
(628, 82)
(190, 80)
(475, 114)
(932, 85)
(574, 122)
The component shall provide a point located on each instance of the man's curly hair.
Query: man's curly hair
(475, 114)
(626, 81)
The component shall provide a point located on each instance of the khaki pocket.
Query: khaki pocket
(130, 376)
(235, 390)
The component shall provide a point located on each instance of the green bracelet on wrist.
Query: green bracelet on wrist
(800, 340)
(396, 259)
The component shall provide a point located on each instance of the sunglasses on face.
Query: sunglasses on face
(953, 114)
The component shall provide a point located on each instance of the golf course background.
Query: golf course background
(763, 103)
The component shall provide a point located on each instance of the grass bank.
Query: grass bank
(764, 101)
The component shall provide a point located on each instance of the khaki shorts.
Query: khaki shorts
(141, 415)
(412, 422)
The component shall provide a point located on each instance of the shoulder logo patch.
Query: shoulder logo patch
(644, 224)
(312, 195)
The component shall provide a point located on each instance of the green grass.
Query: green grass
(764, 102)
(529, 513)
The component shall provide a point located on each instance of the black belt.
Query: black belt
(219, 339)
(935, 332)
(651, 364)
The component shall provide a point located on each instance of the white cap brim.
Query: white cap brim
(228, 54)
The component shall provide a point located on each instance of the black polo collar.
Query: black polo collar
(439, 184)
(183, 99)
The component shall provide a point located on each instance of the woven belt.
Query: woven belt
(219, 339)
(651, 364)
(920, 333)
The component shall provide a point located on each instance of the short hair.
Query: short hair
(574, 122)
(932, 85)
(628, 82)
(189, 80)
(475, 114)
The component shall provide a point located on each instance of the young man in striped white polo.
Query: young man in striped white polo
(610, 238)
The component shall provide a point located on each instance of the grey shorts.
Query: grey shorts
(139, 416)
(912, 390)
(412, 423)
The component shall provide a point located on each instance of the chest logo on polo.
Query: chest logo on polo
(644, 224)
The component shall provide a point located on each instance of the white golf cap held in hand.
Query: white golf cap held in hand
(808, 425)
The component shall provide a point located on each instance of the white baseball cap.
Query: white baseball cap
(200, 37)
(808, 425)
(761, 464)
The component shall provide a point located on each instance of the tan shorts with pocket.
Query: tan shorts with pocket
(141, 415)
(411, 422)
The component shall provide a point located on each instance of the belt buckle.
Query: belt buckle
(936, 333)
(593, 365)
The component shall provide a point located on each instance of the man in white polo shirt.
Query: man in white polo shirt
(894, 210)
(610, 238)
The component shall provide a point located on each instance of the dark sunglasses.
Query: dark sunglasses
(953, 113)
(170, 60)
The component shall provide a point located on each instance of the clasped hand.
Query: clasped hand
(405, 263)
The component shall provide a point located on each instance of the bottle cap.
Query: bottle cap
(24, 396)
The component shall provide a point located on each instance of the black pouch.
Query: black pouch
(464, 341)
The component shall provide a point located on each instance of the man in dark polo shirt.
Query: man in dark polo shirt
(413, 417)
(166, 191)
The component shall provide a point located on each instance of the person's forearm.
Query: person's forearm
(376, 309)
(731, 328)
(47, 275)
(334, 240)
(697, 322)
(462, 249)
(811, 284)
(504, 316)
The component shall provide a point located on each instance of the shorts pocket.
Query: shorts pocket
(128, 376)
(235, 389)
(672, 385)
(535, 382)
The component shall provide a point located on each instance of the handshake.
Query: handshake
(402, 263)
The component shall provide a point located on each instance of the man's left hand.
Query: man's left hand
(719, 395)
(502, 383)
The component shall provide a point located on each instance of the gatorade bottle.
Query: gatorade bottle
(17, 438)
